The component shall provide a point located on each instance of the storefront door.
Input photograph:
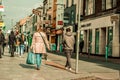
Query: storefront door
(110, 38)
(96, 41)
(90, 40)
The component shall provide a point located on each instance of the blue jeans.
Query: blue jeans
(38, 60)
(18, 49)
(21, 49)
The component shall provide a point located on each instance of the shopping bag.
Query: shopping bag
(30, 58)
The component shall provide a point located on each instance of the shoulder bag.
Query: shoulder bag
(44, 42)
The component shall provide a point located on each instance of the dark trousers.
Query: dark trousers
(12, 49)
(68, 54)
(0, 51)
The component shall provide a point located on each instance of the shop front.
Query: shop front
(99, 33)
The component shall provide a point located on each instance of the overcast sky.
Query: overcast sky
(18, 9)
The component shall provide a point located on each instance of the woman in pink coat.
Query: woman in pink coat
(39, 44)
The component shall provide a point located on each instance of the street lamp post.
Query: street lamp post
(78, 37)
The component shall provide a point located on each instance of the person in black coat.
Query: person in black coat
(1, 43)
(12, 40)
(81, 46)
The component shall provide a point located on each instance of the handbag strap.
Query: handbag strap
(43, 39)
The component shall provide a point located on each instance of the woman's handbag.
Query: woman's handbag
(30, 58)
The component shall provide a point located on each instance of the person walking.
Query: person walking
(12, 41)
(22, 45)
(81, 46)
(68, 43)
(39, 44)
(17, 46)
(1, 43)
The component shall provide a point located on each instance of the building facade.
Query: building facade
(101, 27)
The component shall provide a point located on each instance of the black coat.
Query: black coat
(2, 38)
(12, 39)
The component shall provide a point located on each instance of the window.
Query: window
(108, 4)
(72, 2)
(90, 7)
(67, 3)
(103, 4)
(114, 3)
(72, 17)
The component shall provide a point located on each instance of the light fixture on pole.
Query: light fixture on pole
(78, 36)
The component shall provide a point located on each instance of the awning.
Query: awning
(1, 8)
(23, 21)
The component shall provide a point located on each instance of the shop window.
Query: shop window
(108, 4)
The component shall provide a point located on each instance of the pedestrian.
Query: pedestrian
(1, 43)
(12, 40)
(68, 42)
(89, 48)
(22, 45)
(17, 46)
(81, 46)
(38, 45)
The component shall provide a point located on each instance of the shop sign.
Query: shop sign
(60, 22)
(2, 23)
(86, 25)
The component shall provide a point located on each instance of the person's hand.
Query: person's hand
(48, 48)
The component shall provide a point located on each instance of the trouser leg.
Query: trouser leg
(68, 57)
(12, 50)
(0, 51)
(38, 60)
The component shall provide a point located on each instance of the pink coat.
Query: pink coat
(38, 44)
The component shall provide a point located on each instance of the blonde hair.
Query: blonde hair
(38, 27)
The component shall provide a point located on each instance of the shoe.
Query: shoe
(70, 69)
(45, 56)
(66, 68)
(38, 68)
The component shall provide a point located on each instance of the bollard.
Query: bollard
(106, 52)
